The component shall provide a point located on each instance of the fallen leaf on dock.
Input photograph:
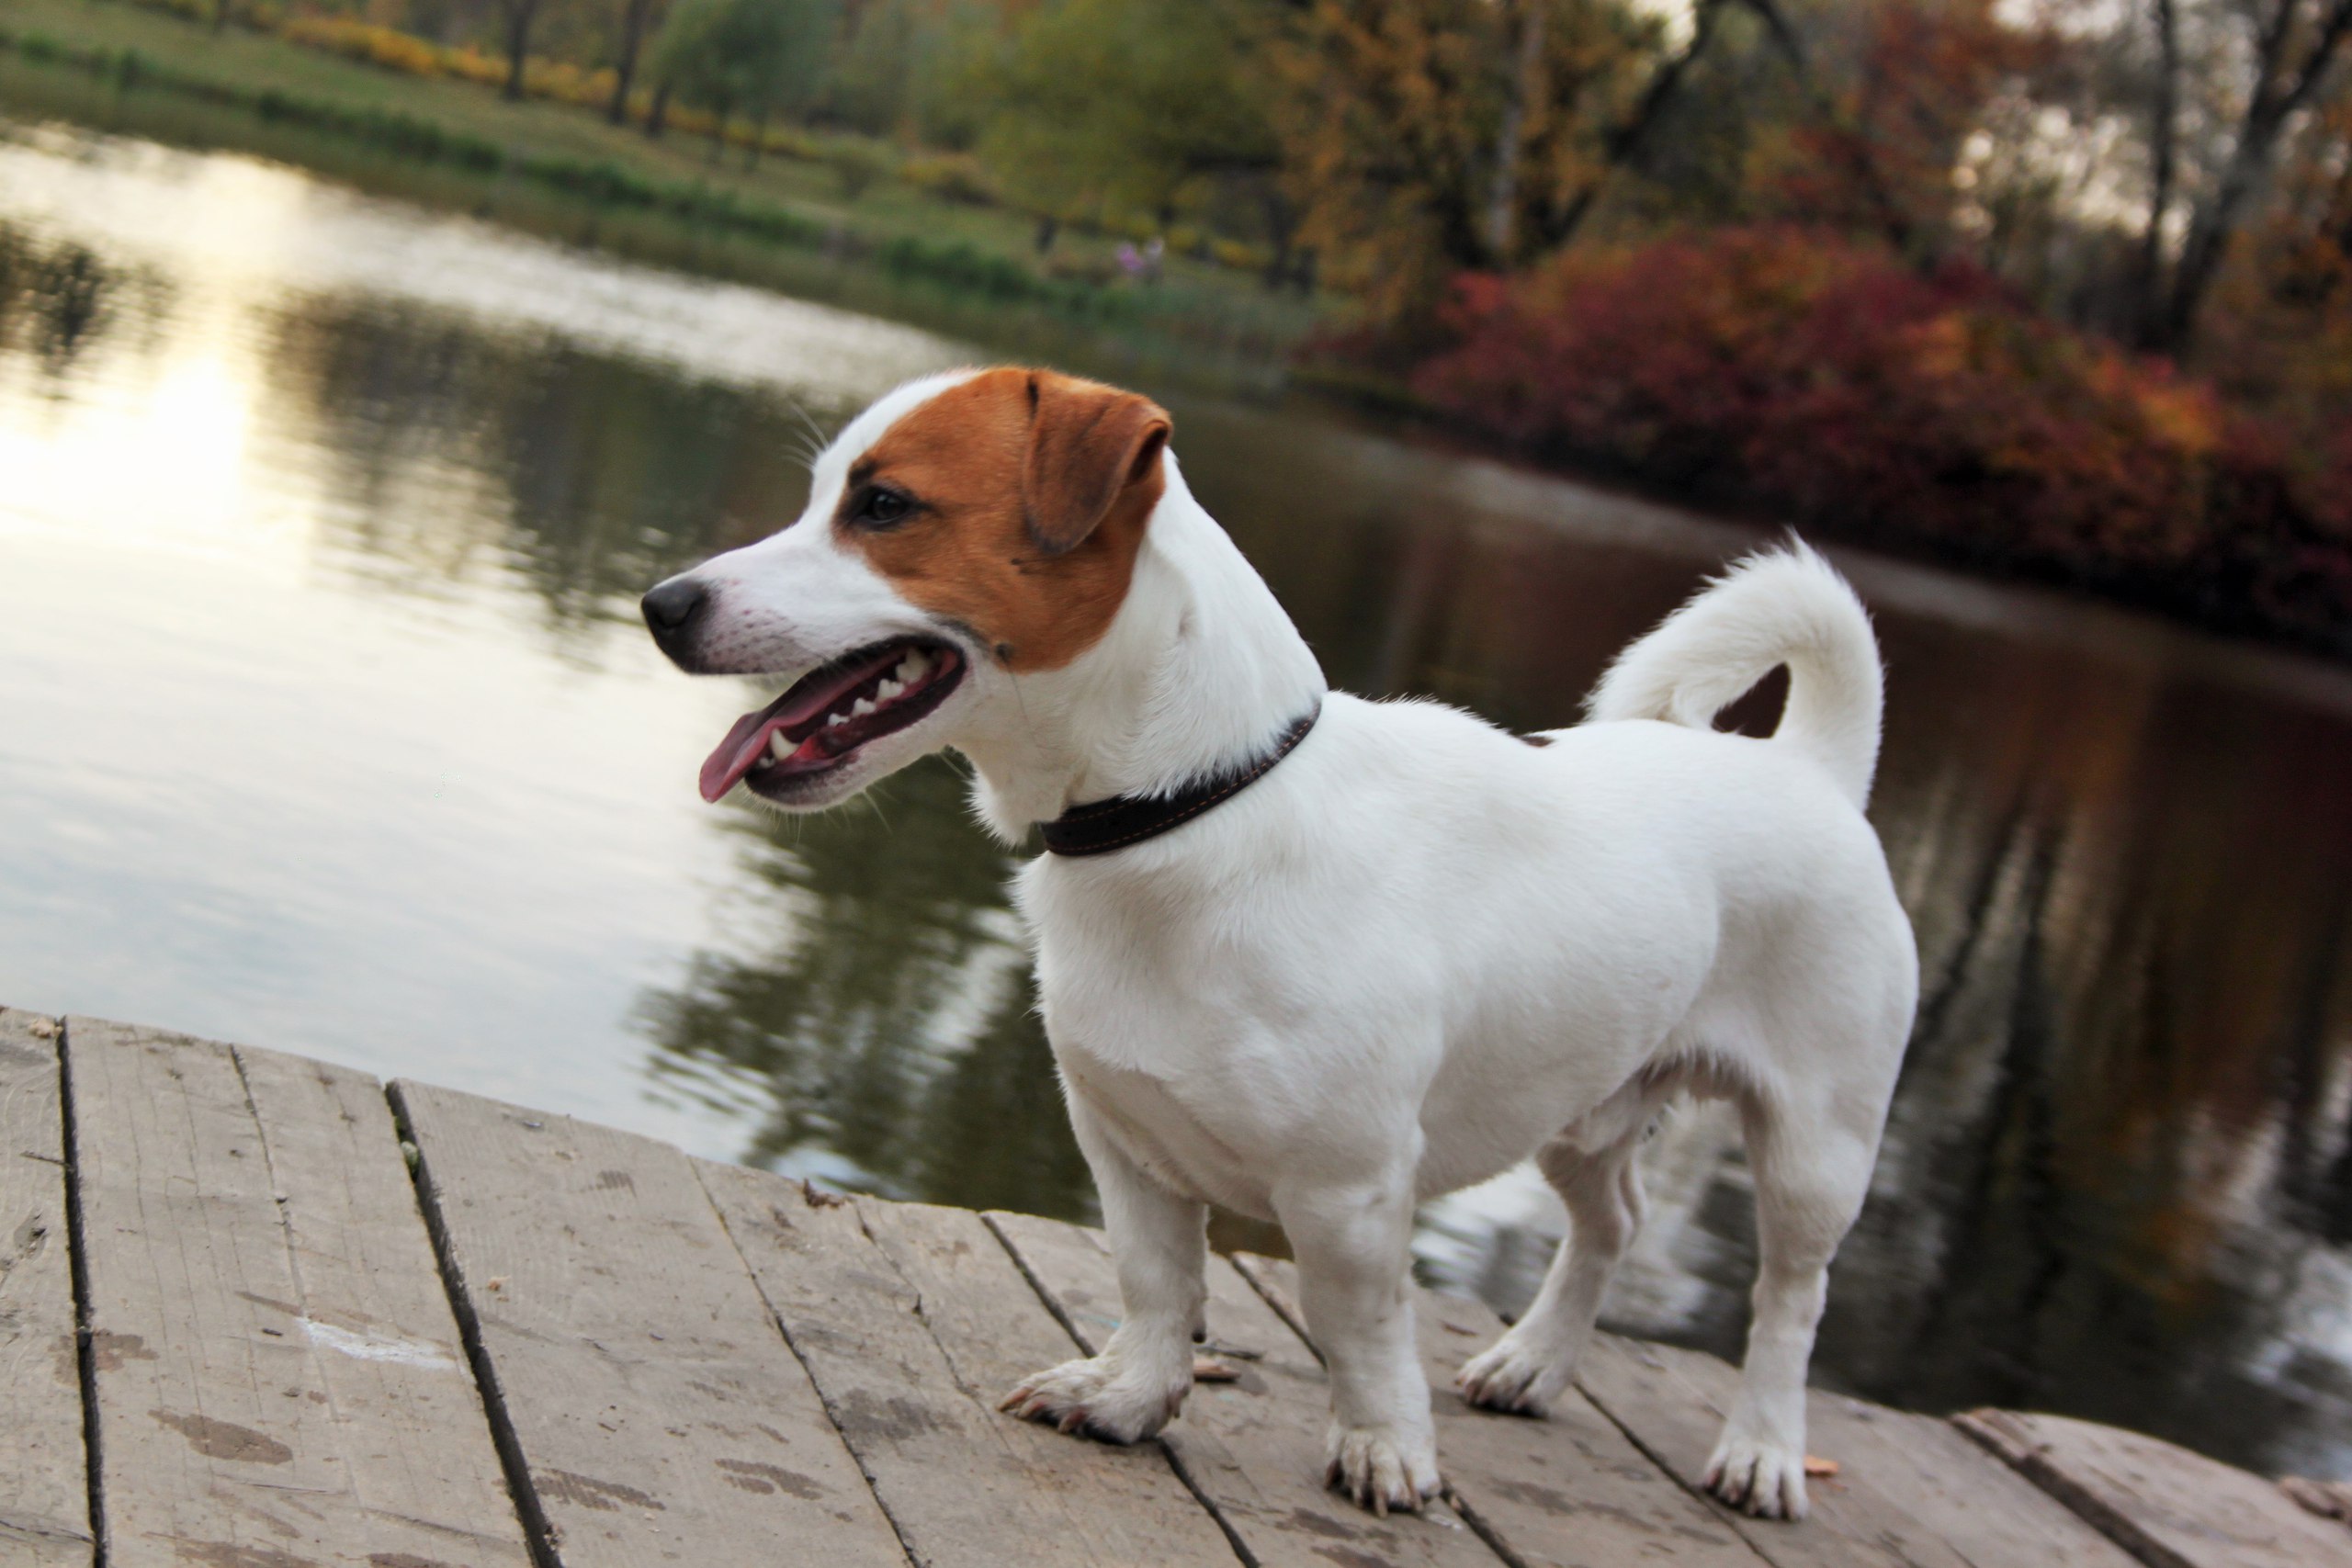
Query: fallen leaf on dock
(1209, 1369)
(1815, 1465)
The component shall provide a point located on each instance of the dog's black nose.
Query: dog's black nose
(670, 608)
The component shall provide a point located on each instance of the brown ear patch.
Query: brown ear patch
(1087, 444)
(1032, 490)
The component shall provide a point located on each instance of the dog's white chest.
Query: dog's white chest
(1156, 1125)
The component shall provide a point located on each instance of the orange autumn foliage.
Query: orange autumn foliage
(1818, 379)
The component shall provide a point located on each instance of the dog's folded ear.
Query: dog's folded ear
(1090, 448)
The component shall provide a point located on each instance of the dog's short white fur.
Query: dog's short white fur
(1417, 952)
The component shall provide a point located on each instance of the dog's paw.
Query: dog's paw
(1513, 1376)
(1763, 1478)
(1380, 1469)
(1099, 1399)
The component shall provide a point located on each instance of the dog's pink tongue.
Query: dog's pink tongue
(791, 712)
(735, 754)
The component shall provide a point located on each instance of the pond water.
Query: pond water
(325, 724)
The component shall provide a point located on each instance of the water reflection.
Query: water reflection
(336, 512)
(55, 293)
(886, 1014)
(584, 475)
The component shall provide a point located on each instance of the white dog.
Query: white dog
(1317, 958)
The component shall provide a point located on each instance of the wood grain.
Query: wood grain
(1254, 1446)
(2328, 1500)
(2169, 1507)
(277, 1376)
(1671, 1402)
(1918, 1467)
(1570, 1489)
(638, 1375)
(44, 1485)
(913, 1321)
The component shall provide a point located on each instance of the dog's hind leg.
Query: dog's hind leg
(1594, 1170)
(1160, 1240)
(1812, 1159)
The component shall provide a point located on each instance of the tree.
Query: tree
(1125, 104)
(2164, 161)
(903, 69)
(636, 15)
(518, 16)
(749, 56)
(1422, 138)
(2286, 53)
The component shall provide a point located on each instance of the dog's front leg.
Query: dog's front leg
(1354, 1248)
(1135, 1386)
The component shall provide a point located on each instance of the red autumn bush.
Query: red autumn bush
(1823, 381)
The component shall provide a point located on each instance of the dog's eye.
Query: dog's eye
(881, 506)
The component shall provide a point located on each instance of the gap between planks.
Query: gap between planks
(1221, 1477)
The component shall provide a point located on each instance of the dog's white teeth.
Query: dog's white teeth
(860, 707)
(888, 689)
(779, 745)
(834, 718)
(914, 666)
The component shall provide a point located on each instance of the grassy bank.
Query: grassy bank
(555, 169)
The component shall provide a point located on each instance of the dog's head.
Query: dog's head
(964, 531)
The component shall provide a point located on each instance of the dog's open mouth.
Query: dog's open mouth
(833, 711)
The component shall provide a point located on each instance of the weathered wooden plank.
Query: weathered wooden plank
(1918, 1467)
(2328, 1500)
(1254, 1446)
(636, 1373)
(2169, 1507)
(238, 1419)
(1901, 1495)
(1671, 1403)
(44, 1485)
(912, 1320)
(1571, 1489)
(372, 1299)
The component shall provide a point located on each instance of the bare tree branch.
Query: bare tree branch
(1502, 201)
(1624, 139)
(2280, 91)
(2164, 136)
(1892, 222)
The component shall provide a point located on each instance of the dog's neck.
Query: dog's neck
(1200, 669)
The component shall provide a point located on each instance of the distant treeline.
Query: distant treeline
(2079, 273)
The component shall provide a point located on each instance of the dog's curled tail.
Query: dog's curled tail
(1784, 606)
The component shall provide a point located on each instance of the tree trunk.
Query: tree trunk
(519, 16)
(1624, 139)
(1502, 200)
(1893, 221)
(759, 136)
(633, 18)
(2278, 96)
(2164, 136)
(1281, 228)
(657, 117)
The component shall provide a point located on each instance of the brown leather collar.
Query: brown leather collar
(1101, 825)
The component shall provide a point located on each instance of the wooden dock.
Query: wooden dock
(258, 1312)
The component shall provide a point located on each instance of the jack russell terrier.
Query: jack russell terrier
(1319, 958)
